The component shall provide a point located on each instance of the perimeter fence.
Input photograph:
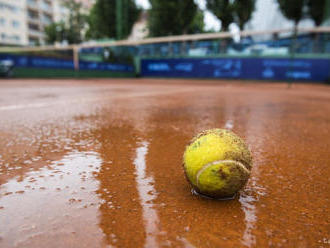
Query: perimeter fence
(269, 55)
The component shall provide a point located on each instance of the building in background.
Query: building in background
(87, 3)
(13, 22)
(22, 22)
(60, 11)
(40, 13)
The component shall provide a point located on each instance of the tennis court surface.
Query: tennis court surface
(98, 163)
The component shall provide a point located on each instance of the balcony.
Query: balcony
(33, 21)
(36, 33)
(33, 18)
(33, 41)
(32, 5)
(34, 29)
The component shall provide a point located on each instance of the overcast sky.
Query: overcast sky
(210, 21)
(266, 16)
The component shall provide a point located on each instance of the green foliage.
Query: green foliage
(292, 9)
(173, 17)
(197, 26)
(102, 19)
(70, 31)
(227, 11)
(76, 23)
(316, 10)
(243, 11)
(55, 32)
(223, 10)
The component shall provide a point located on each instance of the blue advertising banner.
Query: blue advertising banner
(47, 62)
(238, 68)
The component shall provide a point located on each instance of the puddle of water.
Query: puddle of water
(54, 205)
(147, 194)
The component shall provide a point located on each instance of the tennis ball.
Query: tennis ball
(217, 163)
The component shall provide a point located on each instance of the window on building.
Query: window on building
(15, 24)
(2, 21)
(3, 36)
(33, 14)
(46, 6)
(46, 19)
(34, 27)
(16, 38)
(32, 2)
(63, 10)
(33, 41)
(12, 8)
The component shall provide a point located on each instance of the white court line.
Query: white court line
(147, 194)
(87, 99)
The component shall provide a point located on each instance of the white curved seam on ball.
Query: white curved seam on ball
(206, 166)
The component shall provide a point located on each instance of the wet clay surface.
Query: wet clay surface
(98, 163)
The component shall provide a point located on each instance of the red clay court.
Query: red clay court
(98, 163)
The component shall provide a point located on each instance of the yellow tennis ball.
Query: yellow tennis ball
(217, 163)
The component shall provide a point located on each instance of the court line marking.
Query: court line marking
(83, 100)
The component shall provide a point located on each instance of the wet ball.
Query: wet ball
(217, 163)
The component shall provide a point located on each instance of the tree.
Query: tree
(223, 10)
(76, 23)
(316, 10)
(55, 32)
(71, 29)
(171, 17)
(229, 11)
(243, 10)
(197, 26)
(103, 22)
(293, 10)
